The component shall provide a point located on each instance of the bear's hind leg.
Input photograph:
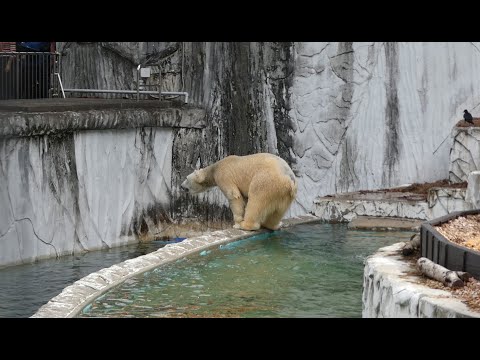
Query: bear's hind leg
(273, 221)
(254, 214)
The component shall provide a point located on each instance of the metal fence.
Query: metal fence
(146, 87)
(29, 75)
(36, 75)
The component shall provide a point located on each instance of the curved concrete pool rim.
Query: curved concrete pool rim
(74, 298)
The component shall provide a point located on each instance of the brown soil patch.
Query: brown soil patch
(421, 188)
(463, 123)
(469, 294)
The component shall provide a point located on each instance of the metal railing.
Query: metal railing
(29, 75)
(36, 75)
(151, 94)
(140, 92)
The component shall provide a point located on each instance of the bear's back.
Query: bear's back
(253, 164)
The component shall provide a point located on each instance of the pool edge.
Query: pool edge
(75, 297)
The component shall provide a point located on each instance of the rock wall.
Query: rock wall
(464, 154)
(383, 121)
(473, 189)
(66, 193)
(82, 175)
(345, 116)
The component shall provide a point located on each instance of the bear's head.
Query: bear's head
(195, 183)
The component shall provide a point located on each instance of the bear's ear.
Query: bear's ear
(199, 176)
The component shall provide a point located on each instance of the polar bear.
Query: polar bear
(259, 188)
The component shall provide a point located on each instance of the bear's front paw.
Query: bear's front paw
(237, 226)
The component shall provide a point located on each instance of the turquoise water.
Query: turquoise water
(310, 270)
(24, 288)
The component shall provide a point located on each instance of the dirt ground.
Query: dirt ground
(463, 123)
(421, 188)
(469, 294)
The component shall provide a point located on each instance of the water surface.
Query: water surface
(309, 270)
(25, 288)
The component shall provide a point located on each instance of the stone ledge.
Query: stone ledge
(391, 290)
(75, 297)
(384, 223)
(46, 120)
(344, 207)
(82, 104)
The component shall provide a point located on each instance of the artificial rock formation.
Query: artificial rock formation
(473, 189)
(345, 116)
(465, 153)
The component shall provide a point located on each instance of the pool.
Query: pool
(24, 288)
(308, 270)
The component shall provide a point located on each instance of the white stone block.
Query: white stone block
(473, 189)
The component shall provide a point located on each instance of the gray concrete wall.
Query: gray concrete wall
(72, 181)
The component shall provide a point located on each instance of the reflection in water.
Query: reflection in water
(310, 270)
(24, 288)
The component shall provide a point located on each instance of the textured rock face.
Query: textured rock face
(345, 116)
(473, 189)
(379, 123)
(66, 193)
(439, 202)
(465, 153)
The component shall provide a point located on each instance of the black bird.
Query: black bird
(467, 116)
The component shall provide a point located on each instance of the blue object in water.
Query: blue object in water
(170, 241)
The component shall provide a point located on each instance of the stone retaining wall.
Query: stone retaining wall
(390, 290)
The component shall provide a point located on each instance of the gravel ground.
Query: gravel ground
(463, 230)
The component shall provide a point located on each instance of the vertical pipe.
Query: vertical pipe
(183, 66)
(138, 82)
(28, 75)
(17, 77)
(61, 86)
(160, 79)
